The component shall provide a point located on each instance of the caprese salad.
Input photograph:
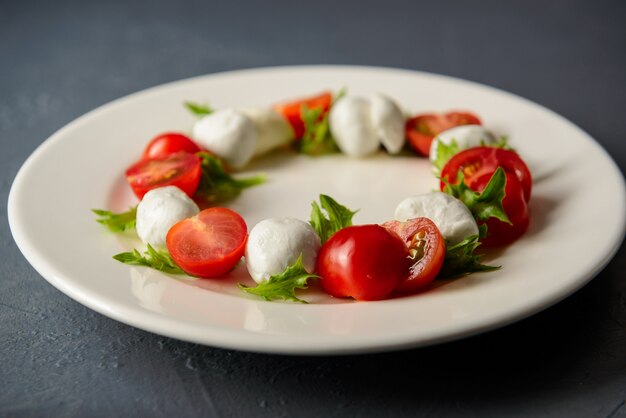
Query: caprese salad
(180, 180)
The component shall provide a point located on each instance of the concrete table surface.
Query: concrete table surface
(61, 59)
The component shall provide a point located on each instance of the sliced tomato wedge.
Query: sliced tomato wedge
(291, 110)
(420, 130)
(478, 161)
(167, 144)
(514, 204)
(426, 248)
(209, 244)
(182, 170)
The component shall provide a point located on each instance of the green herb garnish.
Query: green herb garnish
(283, 285)
(117, 222)
(329, 217)
(156, 259)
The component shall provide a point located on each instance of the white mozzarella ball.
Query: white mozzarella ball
(272, 130)
(466, 136)
(452, 217)
(351, 126)
(275, 244)
(388, 121)
(159, 210)
(229, 134)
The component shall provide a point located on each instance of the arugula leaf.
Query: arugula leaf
(444, 153)
(283, 285)
(199, 109)
(460, 259)
(330, 217)
(482, 205)
(158, 260)
(117, 222)
(317, 139)
(216, 185)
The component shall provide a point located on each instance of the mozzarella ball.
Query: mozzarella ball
(159, 210)
(272, 130)
(229, 134)
(452, 217)
(388, 122)
(275, 244)
(466, 136)
(351, 126)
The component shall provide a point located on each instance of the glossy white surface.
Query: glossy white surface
(578, 216)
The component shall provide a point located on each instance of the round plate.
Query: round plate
(577, 216)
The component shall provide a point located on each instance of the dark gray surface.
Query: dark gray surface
(61, 59)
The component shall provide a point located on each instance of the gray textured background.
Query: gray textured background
(61, 59)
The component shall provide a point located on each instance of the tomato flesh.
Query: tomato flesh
(182, 170)
(514, 203)
(422, 129)
(209, 244)
(365, 262)
(169, 143)
(426, 252)
(479, 161)
(291, 110)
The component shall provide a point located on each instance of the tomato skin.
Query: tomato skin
(209, 244)
(365, 262)
(420, 130)
(291, 110)
(167, 144)
(478, 161)
(500, 233)
(422, 270)
(182, 170)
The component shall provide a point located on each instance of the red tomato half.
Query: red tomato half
(365, 262)
(478, 161)
(291, 110)
(426, 251)
(422, 129)
(209, 244)
(167, 144)
(500, 233)
(182, 170)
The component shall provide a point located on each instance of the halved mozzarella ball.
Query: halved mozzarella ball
(388, 122)
(272, 130)
(466, 136)
(228, 133)
(159, 210)
(275, 244)
(351, 126)
(452, 217)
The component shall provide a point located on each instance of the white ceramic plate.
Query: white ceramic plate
(578, 216)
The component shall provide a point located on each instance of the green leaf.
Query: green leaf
(483, 205)
(158, 260)
(444, 153)
(283, 285)
(216, 185)
(502, 142)
(199, 109)
(461, 259)
(317, 139)
(329, 217)
(117, 222)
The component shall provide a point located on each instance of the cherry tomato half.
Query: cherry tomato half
(365, 262)
(478, 161)
(209, 244)
(181, 170)
(426, 252)
(169, 143)
(422, 129)
(500, 233)
(291, 110)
